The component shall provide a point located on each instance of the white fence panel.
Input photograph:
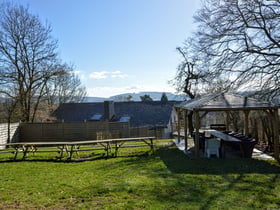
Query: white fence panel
(4, 133)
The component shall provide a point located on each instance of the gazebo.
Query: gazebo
(226, 102)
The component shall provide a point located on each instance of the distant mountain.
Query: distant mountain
(156, 96)
(95, 99)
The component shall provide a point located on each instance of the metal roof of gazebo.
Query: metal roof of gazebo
(229, 102)
(225, 101)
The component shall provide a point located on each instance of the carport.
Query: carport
(226, 102)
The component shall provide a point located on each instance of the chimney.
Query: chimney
(109, 110)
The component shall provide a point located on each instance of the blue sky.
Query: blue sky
(119, 46)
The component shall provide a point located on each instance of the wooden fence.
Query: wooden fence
(147, 131)
(72, 131)
(8, 135)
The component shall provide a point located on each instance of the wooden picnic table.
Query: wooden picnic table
(225, 138)
(75, 146)
(222, 136)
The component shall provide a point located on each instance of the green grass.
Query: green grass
(165, 180)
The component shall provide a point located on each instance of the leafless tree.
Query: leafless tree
(187, 78)
(241, 39)
(65, 87)
(28, 60)
(194, 74)
(27, 54)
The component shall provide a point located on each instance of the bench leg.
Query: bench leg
(152, 146)
(16, 153)
(116, 149)
(71, 152)
(25, 151)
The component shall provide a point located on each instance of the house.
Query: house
(154, 114)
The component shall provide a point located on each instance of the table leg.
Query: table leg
(241, 149)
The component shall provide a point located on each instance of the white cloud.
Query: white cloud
(107, 74)
(118, 74)
(99, 75)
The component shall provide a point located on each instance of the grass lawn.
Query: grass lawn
(165, 180)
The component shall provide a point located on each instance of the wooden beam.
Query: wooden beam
(227, 120)
(197, 126)
(204, 114)
(186, 129)
(179, 124)
(276, 133)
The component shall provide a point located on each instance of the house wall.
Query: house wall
(4, 136)
(213, 118)
(172, 124)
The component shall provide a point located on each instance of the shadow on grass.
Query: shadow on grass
(75, 159)
(177, 162)
(171, 180)
(166, 180)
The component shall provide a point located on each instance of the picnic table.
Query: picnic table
(72, 147)
(222, 136)
(225, 138)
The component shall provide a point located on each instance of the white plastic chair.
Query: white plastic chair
(212, 147)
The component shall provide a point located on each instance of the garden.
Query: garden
(138, 179)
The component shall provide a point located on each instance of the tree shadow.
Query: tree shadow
(177, 162)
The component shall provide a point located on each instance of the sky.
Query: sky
(119, 46)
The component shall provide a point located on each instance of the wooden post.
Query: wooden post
(179, 124)
(197, 125)
(186, 129)
(63, 131)
(227, 120)
(246, 123)
(276, 133)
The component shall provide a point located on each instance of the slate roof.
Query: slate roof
(224, 101)
(141, 113)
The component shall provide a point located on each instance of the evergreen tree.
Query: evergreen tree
(164, 97)
(146, 98)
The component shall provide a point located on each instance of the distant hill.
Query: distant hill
(156, 96)
(95, 99)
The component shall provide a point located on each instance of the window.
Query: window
(125, 119)
(96, 117)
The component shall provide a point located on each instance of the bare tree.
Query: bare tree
(188, 77)
(65, 87)
(241, 39)
(27, 54)
(29, 64)
(195, 76)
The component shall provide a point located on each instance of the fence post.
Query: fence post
(62, 130)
